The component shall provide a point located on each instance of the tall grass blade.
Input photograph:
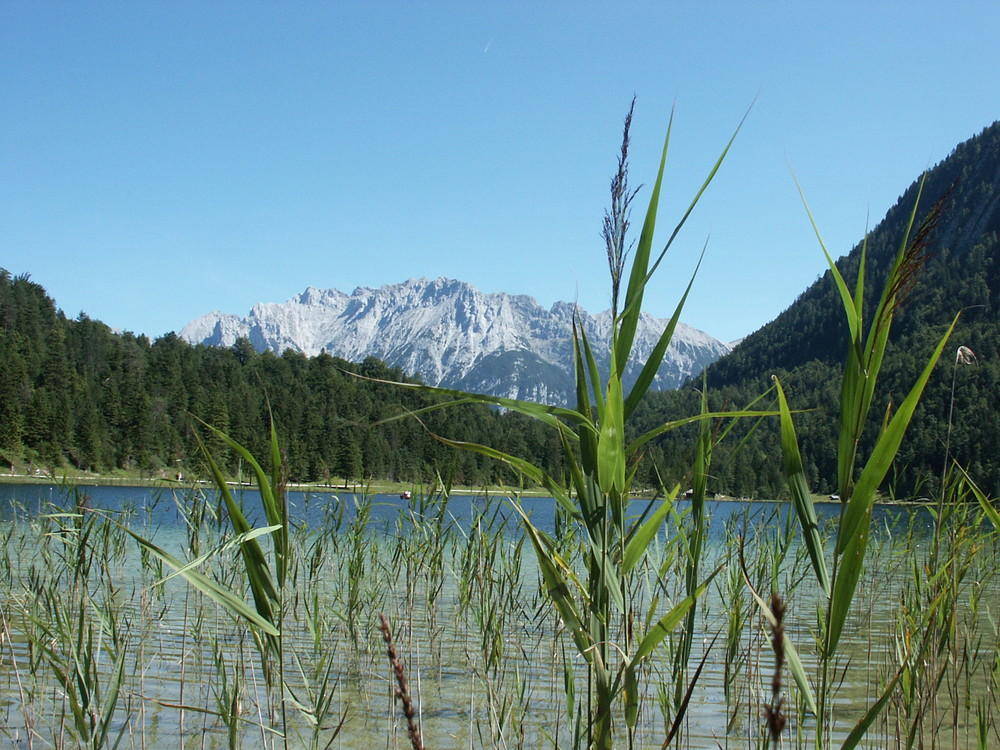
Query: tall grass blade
(852, 540)
(584, 354)
(643, 535)
(545, 413)
(801, 497)
(272, 498)
(557, 577)
(665, 625)
(526, 468)
(232, 542)
(610, 444)
(984, 502)
(218, 593)
(646, 437)
(655, 359)
(262, 586)
(886, 448)
(851, 312)
(792, 658)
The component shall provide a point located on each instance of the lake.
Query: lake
(159, 508)
(486, 655)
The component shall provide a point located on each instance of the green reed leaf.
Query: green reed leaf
(610, 445)
(984, 502)
(545, 413)
(586, 365)
(665, 625)
(222, 596)
(101, 739)
(526, 468)
(234, 541)
(851, 311)
(641, 538)
(272, 500)
(282, 546)
(643, 439)
(255, 565)
(587, 438)
(861, 728)
(655, 359)
(901, 269)
(682, 709)
(852, 540)
(631, 696)
(859, 504)
(802, 500)
(557, 577)
(607, 579)
(792, 657)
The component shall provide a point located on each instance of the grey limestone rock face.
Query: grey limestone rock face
(452, 335)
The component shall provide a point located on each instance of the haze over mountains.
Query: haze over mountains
(452, 335)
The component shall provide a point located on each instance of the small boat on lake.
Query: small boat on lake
(405, 495)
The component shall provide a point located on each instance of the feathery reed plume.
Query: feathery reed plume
(913, 259)
(965, 356)
(616, 220)
(775, 717)
(403, 690)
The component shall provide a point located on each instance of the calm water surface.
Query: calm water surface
(482, 647)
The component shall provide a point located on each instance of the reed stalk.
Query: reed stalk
(594, 594)
(535, 693)
(402, 687)
(857, 490)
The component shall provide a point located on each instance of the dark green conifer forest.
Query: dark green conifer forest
(805, 345)
(74, 393)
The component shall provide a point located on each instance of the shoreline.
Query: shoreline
(376, 488)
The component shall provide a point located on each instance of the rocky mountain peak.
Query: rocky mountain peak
(451, 334)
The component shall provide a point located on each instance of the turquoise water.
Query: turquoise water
(160, 507)
(485, 654)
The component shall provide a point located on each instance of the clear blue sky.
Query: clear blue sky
(159, 160)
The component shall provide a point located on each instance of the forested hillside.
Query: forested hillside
(74, 393)
(806, 344)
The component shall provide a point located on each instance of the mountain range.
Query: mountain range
(452, 335)
(73, 392)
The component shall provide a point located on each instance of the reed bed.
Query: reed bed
(252, 623)
(98, 651)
